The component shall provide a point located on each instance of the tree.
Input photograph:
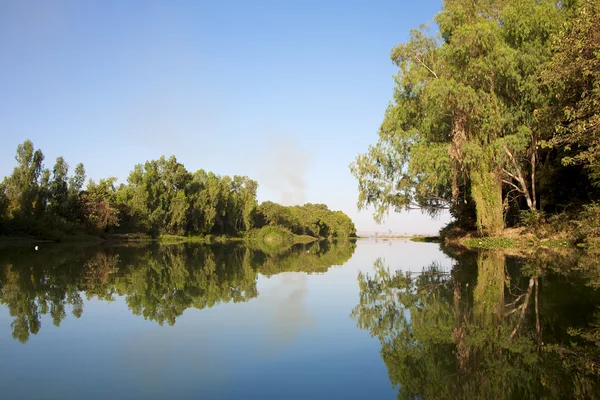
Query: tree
(160, 197)
(574, 76)
(3, 201)
(74, 206)
(463, 124)
(98, 202)
(22, 186)
(59, 188)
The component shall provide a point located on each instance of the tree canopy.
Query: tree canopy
(160, 197)
(488, 113)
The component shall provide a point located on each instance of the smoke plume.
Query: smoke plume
(282, 169)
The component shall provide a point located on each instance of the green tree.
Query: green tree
(457, 132)
(3, 202)
(574, 76)
(99, 205)
(160, 197)
(74, 204)
(59, 188)
(22, 186)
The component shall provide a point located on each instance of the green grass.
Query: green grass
(527, 243)
(490, 243)
(426, 239)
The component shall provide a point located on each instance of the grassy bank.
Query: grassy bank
(536, 229)
(520, 238)
(276, 236)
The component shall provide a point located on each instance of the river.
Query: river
(372, 319)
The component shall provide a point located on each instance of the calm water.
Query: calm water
(371, 320)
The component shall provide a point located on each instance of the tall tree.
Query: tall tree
(463, 124)
(574, 75)
(76, 182)
(22, 186)
(99, 205)
(59, 188)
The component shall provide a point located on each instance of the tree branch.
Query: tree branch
(425, 65)
(513, 185)
(519, 177)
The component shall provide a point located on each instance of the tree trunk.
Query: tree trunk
(459, 136)
(486, 190)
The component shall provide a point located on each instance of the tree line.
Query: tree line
(160, 197)
(495, 116)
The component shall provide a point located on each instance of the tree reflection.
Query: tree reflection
(493, 327)
(158, 282)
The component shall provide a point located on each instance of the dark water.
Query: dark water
(371, 320)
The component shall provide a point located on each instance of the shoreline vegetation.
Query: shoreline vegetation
(161, 201)
(495, 119)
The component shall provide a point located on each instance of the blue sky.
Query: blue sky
(286, 92)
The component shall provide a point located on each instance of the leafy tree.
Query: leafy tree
(59, 188)
(160, 197)
(574, 75)
(3, 201)
(22, 186)
(75, 186)
(464, 125)
(99, 204)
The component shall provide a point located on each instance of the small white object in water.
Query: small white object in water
(36, 247)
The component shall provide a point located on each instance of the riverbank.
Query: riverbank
(520, 239)
(26, 241)
(271, 236)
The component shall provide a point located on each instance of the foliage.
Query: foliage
(160, 198)
(532, 219)
(490, 243)
(97, 204)
(574, 75)
(273, 235)
(588, 223)
(310, 219)
(472, 106)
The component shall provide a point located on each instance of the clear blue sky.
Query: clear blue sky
(286, 92)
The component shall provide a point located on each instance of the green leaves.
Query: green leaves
(573, 74)
(466, 104)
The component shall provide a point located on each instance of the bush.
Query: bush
(275, 235)
(452, 230)
(532, 219)
(587, 225)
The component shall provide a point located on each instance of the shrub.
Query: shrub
(532, 219)
(587, 225)
(271, 234)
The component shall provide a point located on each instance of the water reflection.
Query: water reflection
(158, 282)
(495, 326)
